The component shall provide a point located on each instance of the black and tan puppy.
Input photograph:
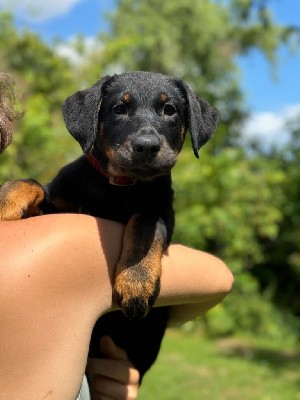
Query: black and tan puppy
(131, 128)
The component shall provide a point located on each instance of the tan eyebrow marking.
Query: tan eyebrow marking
(163, 97)
(126, 97)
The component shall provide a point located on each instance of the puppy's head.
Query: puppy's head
(136, 122)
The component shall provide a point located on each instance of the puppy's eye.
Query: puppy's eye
(120, 109)
(169, 110)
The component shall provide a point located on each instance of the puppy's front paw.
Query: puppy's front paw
(20, 198)
(135, 290)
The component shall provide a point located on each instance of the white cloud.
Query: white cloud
(270, 128)
(38, 10)
(68, 51)
(68, 48)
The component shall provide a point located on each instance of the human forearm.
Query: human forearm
(193, 281)
(190, 277)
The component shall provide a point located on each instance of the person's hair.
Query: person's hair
(7, 111)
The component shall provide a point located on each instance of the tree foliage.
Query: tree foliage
(42, 80)
(281, 268)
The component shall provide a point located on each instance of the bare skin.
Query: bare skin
(55, 282)
(113, 377)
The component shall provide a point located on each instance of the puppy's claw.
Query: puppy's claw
(135, 308)
(134, 298)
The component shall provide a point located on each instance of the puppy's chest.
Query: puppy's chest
(120, 203)
(114, 203)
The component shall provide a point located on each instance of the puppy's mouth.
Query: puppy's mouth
(141, 172)
(124, 163)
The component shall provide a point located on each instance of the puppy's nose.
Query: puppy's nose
(146, 145)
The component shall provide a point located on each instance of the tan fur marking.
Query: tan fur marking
(109, 153)
(126, 97)
(112, 167)
(17, 197)
(163, 97)
(138, 278)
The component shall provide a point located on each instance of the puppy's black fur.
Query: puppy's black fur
(131, 128)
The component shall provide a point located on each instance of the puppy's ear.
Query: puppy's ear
(81, 111)
(202, 118)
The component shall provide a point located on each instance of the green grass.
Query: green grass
(190, 367)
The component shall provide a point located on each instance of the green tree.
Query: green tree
(43, 79)
(232, 205)
(281, 269)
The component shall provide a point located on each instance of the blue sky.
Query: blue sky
(271, 101)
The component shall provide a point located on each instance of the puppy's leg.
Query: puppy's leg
(20, 198)
(138, 272)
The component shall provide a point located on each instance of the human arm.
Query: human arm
(193, 281)
(56, 280)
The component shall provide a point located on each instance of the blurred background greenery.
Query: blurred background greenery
(239, 201)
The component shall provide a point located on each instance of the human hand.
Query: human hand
(114, 377)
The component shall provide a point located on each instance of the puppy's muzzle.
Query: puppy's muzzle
(146, 144)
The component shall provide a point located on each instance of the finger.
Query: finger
(111, 350)
(107, 388)
(113, 369)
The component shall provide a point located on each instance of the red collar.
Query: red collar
(113, 180)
